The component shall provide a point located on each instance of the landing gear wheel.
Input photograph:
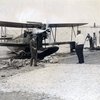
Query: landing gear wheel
(22, 54)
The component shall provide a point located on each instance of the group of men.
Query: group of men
(80, 41)
(79, 45)
(92, 40)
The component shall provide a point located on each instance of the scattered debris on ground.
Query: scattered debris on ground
(10, 67)
(18, 63)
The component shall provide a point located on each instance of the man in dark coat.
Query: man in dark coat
(33, 50)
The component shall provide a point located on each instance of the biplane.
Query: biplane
(20, 44)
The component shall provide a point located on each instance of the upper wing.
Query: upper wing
(65, 24)
(20, 25)
(38, 24)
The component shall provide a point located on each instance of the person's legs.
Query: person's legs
(32, 56)
(35, 58)
(91, 44)
(95, 43)
(79, 52)
(31, 61)
(35, 62)
(81, 57)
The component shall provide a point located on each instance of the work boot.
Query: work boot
(35, 64)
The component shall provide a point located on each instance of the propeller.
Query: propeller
(48, 31)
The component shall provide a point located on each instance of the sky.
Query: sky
(50, 11)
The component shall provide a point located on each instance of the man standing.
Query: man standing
(94, 40)
(90, 41)
(79, 46)
(33, 50)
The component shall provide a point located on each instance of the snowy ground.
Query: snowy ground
(66, 81)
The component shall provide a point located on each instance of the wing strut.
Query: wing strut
(52, 34)
(55, 34)
(72, 31)
(3, 32)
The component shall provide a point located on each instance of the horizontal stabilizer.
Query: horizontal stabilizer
(14, 44)
(6, 38)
